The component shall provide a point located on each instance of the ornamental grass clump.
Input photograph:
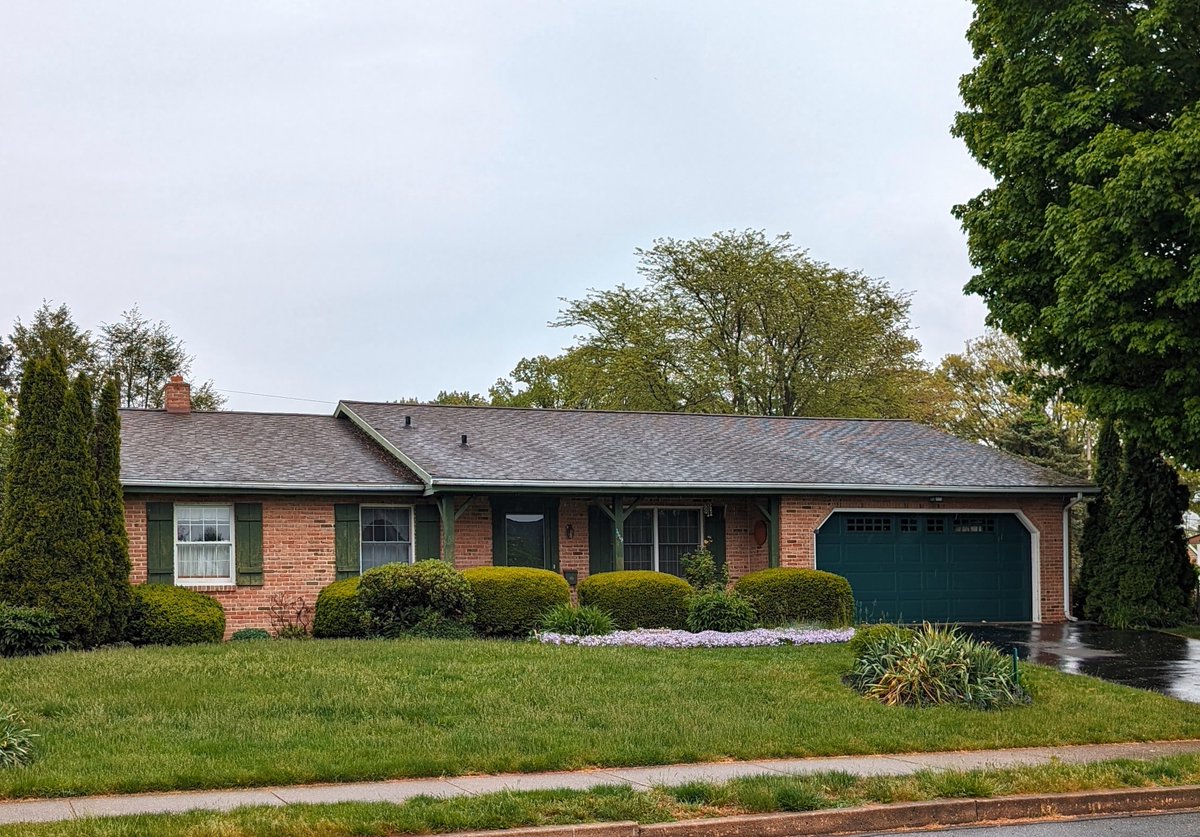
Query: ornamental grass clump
(16, 739)
(934, 666)
(568, 620)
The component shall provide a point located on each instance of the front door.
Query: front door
(525, 532)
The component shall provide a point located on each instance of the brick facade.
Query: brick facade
(298, 540)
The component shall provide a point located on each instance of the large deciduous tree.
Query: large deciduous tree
(736, 322)
(1087, 113)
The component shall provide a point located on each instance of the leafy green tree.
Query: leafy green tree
(1144, 577)
(1087, 113)
(116, 596)
(7, 382)
(50, 549)
(736, 322)
(461, 399)
(54, 330)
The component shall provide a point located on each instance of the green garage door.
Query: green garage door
(931, 567)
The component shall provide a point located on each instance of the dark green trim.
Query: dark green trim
(547, 506)
(427, 537)
(248, 543)
(346, 547)
(160, 543)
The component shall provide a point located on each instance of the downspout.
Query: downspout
(1077, 499)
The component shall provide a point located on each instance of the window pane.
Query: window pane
(639, 540)
(382, 525)
(378, 554)
(525, 540)
(202, 524)
(204, 560)
(678, 535)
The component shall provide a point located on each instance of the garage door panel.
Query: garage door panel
(937, 568)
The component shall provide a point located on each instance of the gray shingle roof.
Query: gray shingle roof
(534, 447)
(254, 450)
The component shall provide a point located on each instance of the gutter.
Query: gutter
(607, 487)
(204, 485)
(1076, 500)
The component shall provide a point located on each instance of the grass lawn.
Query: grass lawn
(753, 795)
(1189, 631)
(260, 713)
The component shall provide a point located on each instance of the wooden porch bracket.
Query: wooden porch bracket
(770, 513)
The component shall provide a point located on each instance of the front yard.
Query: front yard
(258, 713)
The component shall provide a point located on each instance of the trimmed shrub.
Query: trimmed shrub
(165, 615)
(398, 597)
(510, 601)
(868, 635)
(701, 570)
(16, 739)
(339, 614)
(576, 621)
(638, 598)
(249, 635)
(785, 595)
(935, 666)
(716, 610)
(26, 631)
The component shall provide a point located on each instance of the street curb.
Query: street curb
(888, 817)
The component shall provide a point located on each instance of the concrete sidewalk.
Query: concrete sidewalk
(51, 810)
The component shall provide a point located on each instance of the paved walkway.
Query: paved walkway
(50, 810)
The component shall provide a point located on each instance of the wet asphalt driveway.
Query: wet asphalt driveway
(1145, 659)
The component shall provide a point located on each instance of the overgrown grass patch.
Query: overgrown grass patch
(244, 714)
(758, 794)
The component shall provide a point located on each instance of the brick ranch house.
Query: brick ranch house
(251, 507)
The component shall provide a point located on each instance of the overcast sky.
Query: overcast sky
(376, 200)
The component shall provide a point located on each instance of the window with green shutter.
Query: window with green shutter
(160, 543)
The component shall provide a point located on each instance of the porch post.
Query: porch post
(446, 510)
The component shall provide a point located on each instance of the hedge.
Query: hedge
(638, 598)
(165, 615)
(785, 595)
(25, 631)
(398, 597)
(339, 613)
(511, 601)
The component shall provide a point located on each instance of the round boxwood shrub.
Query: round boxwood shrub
(249, 635)
(510, 601)
(165, 615)
(339, 613)
(638, 598)
(398, 597)
(716, 610)
(784, 595)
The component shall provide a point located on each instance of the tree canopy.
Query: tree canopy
(1087, 113)
(735, 322)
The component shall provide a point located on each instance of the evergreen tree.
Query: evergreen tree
(1144, 578)
(1094, 541)
(116, 596)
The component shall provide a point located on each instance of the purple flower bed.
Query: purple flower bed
(666, 638)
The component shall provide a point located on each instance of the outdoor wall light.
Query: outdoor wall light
(569, 531)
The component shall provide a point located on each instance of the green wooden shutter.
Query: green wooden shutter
(346, 546)
(248, 543)
(427, 540)
(714, 533)
(160, 543)
(600, 541)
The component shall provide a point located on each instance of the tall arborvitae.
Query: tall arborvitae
(24, 542)
(117, 596)
(1144, 579)
(1106, 469)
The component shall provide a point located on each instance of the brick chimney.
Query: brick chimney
(177, 396)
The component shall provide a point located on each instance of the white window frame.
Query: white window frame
(206, 581)
(654, 528)
(412, 530)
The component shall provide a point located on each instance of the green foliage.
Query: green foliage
(54, 333)
(576, 621)
(935, 667)
(784, 595)
(638, 598)
(26, 631)
(16, 739)
(249, 635)
(1094, 541)
(510, 601)
(1087, 116)
(714, 609)
(1140, 574)
(116, 595)
(398, 597)
(165, 615)
(703, 572)
(339, 612)
(870, 634)
(50, 552)
(736, 322)
(437, 626)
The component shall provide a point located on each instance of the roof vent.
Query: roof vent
(407, 422)
(464, 440)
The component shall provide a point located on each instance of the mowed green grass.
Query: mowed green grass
(261, 713)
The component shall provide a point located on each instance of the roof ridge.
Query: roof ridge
(226, 413)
